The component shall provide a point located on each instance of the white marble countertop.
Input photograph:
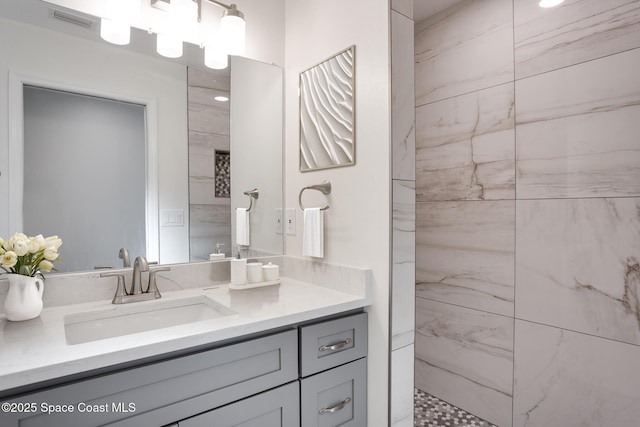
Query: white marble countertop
(36, 350)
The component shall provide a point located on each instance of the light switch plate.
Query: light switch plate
(172, 218)
(291, 221)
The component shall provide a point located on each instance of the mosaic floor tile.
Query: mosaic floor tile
(432, 412)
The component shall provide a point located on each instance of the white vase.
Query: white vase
(24, 299)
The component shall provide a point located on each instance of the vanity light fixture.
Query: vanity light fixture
(114, 27)
(549, 3)
(180, 17)
(231, 40)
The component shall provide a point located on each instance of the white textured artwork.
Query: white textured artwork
(327, 113)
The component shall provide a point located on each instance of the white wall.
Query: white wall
(66, 60)
(357, 226)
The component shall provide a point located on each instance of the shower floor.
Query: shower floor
(429, 411)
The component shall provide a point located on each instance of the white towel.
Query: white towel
(243, 232)
(313, 233)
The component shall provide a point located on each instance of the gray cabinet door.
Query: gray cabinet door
(164, 392)
(332, 343)
(275, 408)
(337, 397)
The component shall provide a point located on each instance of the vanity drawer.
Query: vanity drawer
(337, 397)
(170, 390)
(332, 343)
(275, 408)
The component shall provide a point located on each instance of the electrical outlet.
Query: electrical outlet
(291, 221)
(279, 221)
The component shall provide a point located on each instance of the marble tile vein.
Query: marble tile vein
(577, 128)
(452, 55)
(465, 254)
(471, 380)
(578, 258)
(465, 356)
(465, 147)
(577, 32)
(577, 379)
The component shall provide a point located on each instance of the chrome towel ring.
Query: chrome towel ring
(324, 188)
(253, 194)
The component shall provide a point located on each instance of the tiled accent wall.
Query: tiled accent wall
(209, 216)
(403, 234)
(528, 193)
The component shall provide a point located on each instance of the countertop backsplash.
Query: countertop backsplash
(81, 287)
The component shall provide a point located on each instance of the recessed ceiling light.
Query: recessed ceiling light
(221, 98)
(549, 3)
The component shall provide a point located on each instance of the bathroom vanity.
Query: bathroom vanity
(290, 355)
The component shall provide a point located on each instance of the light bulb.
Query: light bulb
(169, 46)
(115, 32)
(215, 57)
(232, 31)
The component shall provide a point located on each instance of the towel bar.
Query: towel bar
(324, 188)
(253, 194)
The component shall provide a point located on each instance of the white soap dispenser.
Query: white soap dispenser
(217, 254)
(238, 270)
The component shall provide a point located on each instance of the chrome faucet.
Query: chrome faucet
(124, 256)
(136, 292)
(140, 265)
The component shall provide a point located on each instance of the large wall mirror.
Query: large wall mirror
(201, 154)
(327, 113)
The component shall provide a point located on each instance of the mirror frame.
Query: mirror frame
(339, 114)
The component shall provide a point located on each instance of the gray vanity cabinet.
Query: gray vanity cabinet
(333, 371)
(309, 375)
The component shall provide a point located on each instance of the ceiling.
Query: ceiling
(422, 9)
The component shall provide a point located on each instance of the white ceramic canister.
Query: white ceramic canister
(254, 272)
(239, 271)
(270, 272)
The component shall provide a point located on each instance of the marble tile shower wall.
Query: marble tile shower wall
(404, 211)
(209, 215)
(528, 211)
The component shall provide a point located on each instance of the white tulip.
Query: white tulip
(9, 259)
(40, 240)
(45, 266)
(21, 247)
(52, 242)
(33, 245)
(50, 254)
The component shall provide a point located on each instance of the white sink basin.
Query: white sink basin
(137, 317)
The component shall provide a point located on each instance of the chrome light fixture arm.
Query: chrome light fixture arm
(229, 9)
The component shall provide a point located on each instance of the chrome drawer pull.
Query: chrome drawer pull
(336, 408)
(337, 346)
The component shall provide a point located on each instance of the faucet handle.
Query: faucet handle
(153, 287)
(121, 291)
